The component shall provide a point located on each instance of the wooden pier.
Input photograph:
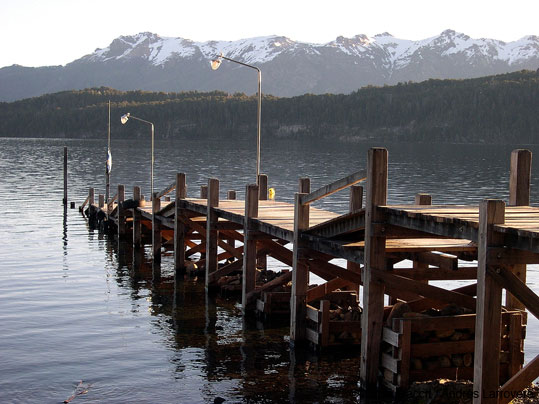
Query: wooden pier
(424, 331)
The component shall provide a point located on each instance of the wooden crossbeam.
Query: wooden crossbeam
(442, 261)
(225, 270)
(423, 289)
(280, 280)
(327, 287)
(520, 381)
(512, 256)
(437, 274)
(333, 187)
(426, 303)
(508, 280)
(167, 190)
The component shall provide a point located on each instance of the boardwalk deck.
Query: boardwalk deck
(435, 238)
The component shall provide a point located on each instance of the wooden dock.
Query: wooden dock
(490, 243)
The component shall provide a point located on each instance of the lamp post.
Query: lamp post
(215, 63)
(124, 120)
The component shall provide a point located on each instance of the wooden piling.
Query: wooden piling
(262, 260)
(211, 228)
(203, 192)
(101, 199)
(231, 195)
(121, 212)
(156, 228)
(375, 257)
(262, 187)
(137, 219)
(65, 176)
(249, 244)
(356, 203)
(423, 199)
(179, 226)
(519, 195)
(300, 271)
(91, 197)
(489, 298)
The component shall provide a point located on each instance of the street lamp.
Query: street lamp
(124, 120)
(215, 63)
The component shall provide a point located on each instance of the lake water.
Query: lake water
(74, 308)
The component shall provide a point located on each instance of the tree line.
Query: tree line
(493, 109)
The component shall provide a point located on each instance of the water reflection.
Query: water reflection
(98, 311)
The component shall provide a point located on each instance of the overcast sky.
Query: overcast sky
(56, 32)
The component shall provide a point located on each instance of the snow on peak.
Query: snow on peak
(250, 50)
(395, 52)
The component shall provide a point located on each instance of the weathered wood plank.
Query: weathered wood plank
(373, 291)
(333, 187)
(520, 381)
(489, 296)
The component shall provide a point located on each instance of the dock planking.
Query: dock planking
(434, 237)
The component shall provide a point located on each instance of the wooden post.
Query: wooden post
(300, 270)
(262, 261)
(231, 195)
(156, 229)
(356, 203)
(137, 224)
(203, 192)
(423, 199)
(90, 197)
(489, 301)
(262, 187)
(304, 185)
(356, 198)
(212, 235)
(249, 244)
(519, 195)
(179, 227)
(121, 213)
(373, 292)
(101, 201)
(65, 176)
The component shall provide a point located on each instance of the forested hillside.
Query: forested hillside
(494, 109)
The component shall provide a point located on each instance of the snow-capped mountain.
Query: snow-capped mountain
(149, 62)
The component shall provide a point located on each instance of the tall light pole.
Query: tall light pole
(124, 120)
(215, 63)
(108, 167)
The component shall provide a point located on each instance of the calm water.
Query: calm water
(73, 307)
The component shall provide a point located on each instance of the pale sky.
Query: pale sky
(56, 32)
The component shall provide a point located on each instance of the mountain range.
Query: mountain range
(149, 62)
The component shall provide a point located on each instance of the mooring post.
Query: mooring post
(375, 257)
(420, 199)
(519, 195)
(101, 199)
(156, 229)
(203, 192)
(249, 244)
(489, 305)
(137, 219)
(65, 176)
(231, 196)
(121, 212)
(300, 270)
(356, 203)
(262, 187)
(91, 200)
(179, 227)
(262, 261)
(212, 234)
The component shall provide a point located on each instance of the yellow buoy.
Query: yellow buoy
(271, 193)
